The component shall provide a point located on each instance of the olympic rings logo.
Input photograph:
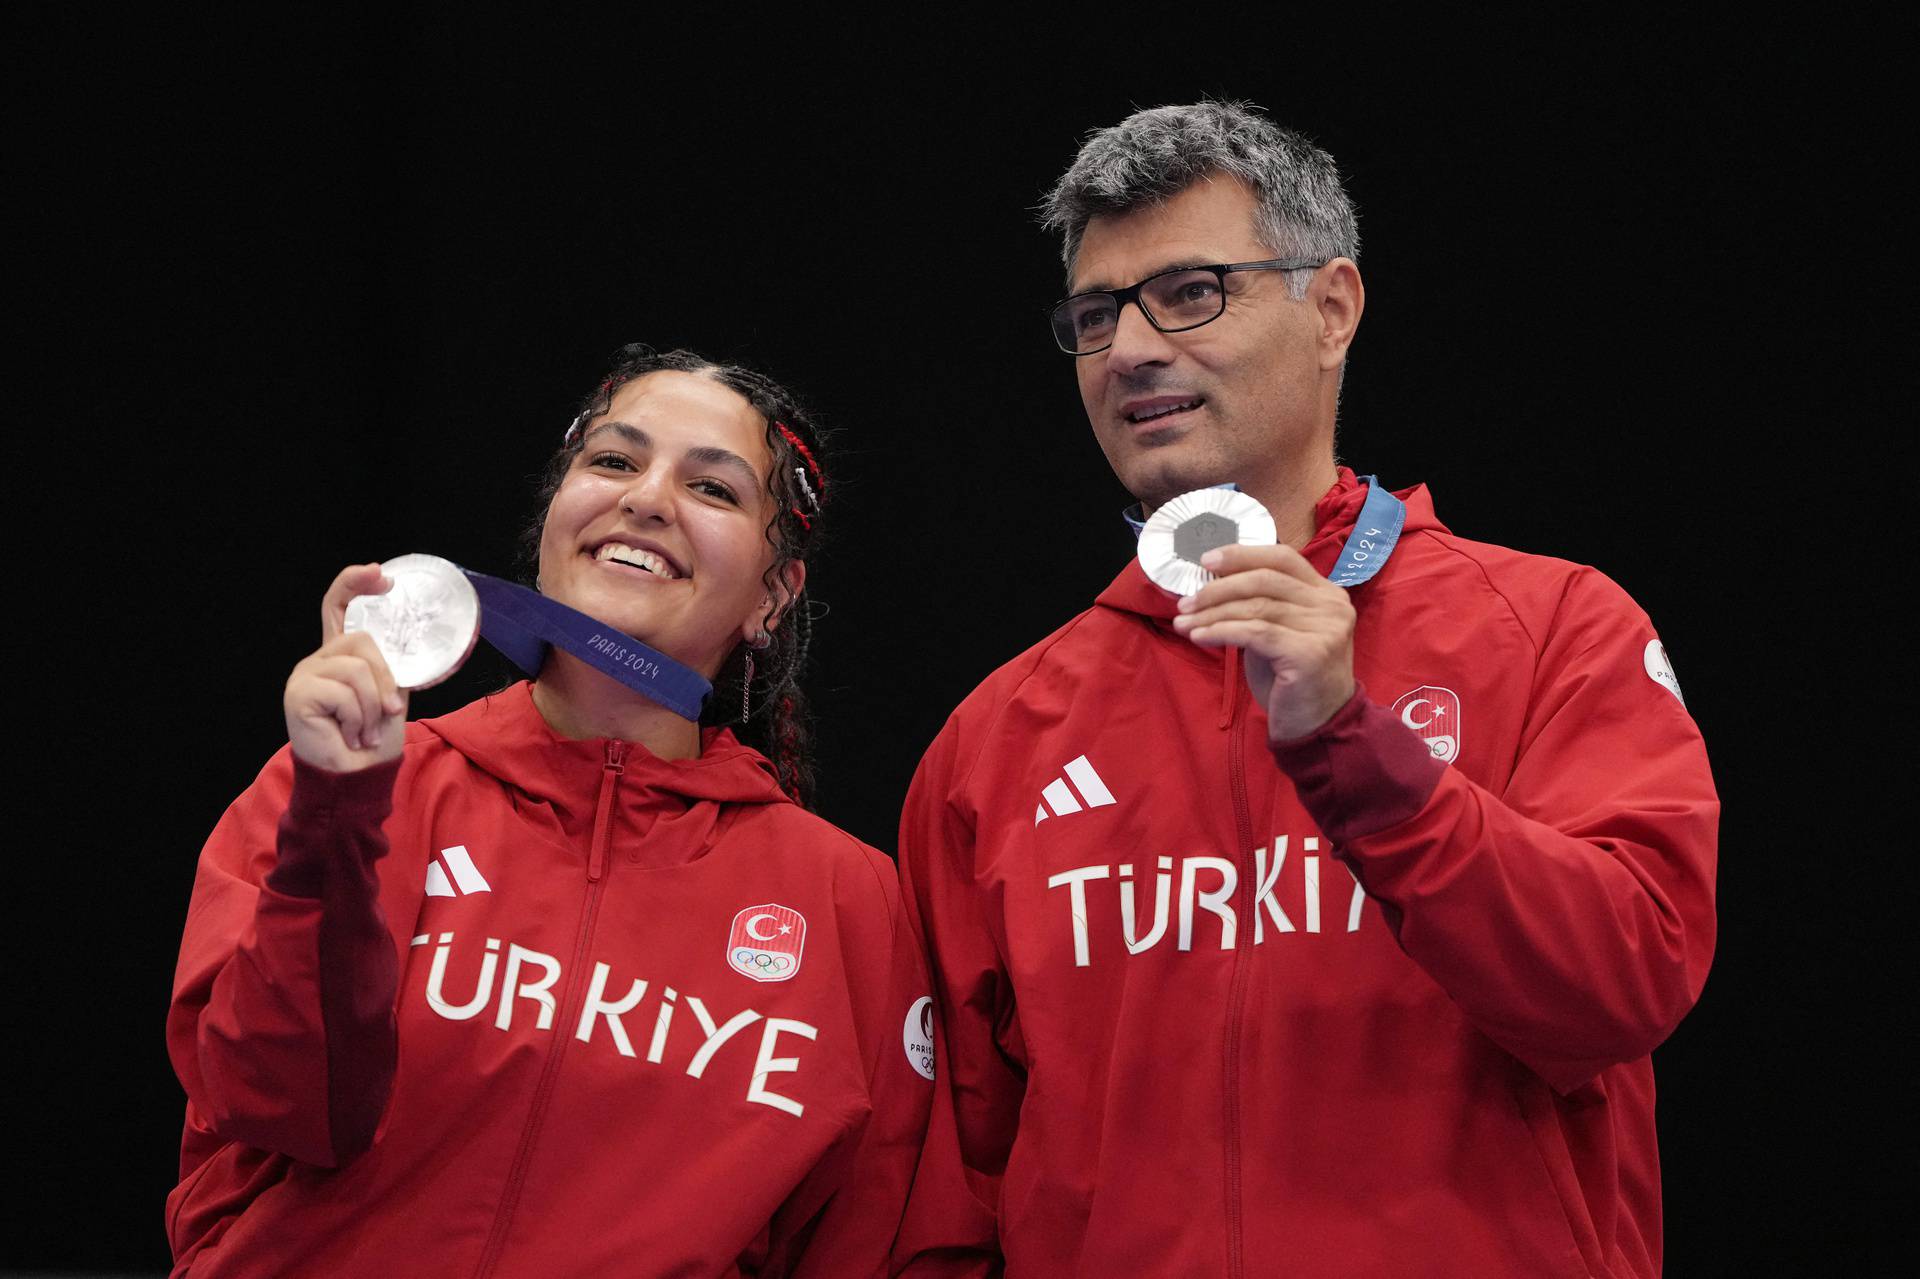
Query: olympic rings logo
(765, 961)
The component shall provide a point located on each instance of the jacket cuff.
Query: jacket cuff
(1361, 771)
(328, 814)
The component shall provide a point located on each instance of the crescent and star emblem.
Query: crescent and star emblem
(1406, 715)
(753, 928)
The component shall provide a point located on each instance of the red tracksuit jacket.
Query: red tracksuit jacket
(1377, 1002)
(594, 1013)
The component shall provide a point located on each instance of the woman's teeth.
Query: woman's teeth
(634, 557)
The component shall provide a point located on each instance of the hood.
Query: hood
(505, 736)
(1333, 517)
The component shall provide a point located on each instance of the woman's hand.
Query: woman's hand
(344, 712)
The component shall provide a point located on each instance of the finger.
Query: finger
(1268, 583)
(1224, 560)
(354, 673)
(1315, 613)
(1257, 609)
(325, 698)
(1265, 638)
(393, 698)
(355, 579)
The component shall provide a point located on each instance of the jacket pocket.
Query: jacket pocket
(1542, 1118)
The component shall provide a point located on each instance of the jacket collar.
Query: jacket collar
(505, 736)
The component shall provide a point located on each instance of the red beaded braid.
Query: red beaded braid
(805, 452)
(818, 478)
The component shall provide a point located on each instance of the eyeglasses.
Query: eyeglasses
(1172, 301)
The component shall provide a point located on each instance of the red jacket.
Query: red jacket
(1379, 1002)
(595, 1013)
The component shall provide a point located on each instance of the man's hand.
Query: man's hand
(1295, 626)
(344, 712)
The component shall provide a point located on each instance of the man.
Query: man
(1296, 927)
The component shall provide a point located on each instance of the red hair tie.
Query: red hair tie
(804, 452)
(801, 475)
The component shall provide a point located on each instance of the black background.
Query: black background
(327, 291)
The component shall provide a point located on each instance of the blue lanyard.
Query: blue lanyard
(522, 623)
(1373, 538)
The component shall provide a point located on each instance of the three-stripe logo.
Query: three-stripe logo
(1058, 798)
(465, 875)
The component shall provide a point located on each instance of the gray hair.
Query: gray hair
(1302, 206)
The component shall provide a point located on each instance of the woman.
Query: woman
(561, 983)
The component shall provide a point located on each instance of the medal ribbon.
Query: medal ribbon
(1373, 538)
(522, 623)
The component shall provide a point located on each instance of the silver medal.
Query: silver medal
(426, 624)
(1190, 525)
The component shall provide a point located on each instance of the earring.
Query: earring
(760, 642)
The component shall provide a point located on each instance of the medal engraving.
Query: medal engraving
(1190, 525)
(1201, 534)
(425, 625)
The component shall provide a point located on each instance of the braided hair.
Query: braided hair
(779, 725)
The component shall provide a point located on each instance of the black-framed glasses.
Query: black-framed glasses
(1173, 302)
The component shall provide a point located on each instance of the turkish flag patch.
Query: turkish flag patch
(765, 942)
(1434, 713)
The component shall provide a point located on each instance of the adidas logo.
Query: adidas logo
(1059, 799)
(461, 867)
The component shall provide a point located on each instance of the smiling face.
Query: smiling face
(660, 525)
(1247, 398)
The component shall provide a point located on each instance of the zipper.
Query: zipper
(602, 826)
(1237, 984)
(570, 997)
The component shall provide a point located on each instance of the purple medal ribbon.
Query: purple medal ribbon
(522, 623)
